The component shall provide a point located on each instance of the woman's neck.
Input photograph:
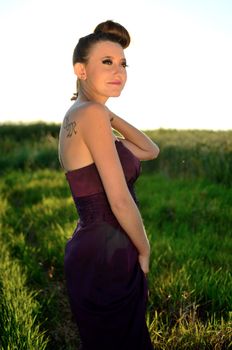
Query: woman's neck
(84, 96)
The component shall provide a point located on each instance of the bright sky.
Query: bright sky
(180, 60)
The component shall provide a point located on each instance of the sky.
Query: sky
(179, 74)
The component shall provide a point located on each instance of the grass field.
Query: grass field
(186, 203)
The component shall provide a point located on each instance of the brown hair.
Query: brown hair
(105, 31)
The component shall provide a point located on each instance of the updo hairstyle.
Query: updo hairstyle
(105, 31)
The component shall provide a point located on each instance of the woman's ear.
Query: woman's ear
(79, 70)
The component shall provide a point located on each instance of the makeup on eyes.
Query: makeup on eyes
(109, 60)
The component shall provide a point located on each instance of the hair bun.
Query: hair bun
(115, 29)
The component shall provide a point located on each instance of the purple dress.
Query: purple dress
(106, 286)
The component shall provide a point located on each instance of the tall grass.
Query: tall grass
(188, 220)
(35, 204)
(20, 328)
(190, 280)
(184, 153)
(193, 154)
(189, 224)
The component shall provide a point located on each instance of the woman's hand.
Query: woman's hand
(144, 263)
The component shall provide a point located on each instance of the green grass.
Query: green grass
(183, 153)
(32, 227)
(20, 309)
(188, 217)
(188, 223)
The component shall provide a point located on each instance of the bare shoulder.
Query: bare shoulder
(93, 111)
(84, 115)
(94, 120)
(86, 112)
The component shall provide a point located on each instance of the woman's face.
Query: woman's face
(105, 71)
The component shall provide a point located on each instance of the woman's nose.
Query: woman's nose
(119, 69)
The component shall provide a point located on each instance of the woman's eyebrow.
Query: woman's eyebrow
(123, 58)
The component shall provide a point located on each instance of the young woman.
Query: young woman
(107, 258)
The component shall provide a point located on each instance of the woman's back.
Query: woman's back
(73, 152)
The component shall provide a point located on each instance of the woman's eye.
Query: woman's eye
(109, 62)
(124, 64)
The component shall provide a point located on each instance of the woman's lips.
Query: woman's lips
(116, 82)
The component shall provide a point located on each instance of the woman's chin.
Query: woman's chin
(115, 94)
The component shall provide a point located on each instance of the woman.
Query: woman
(107, 258)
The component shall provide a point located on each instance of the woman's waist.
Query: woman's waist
(94, 208)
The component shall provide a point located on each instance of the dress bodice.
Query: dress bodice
(88, 191)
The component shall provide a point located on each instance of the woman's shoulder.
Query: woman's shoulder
(87, 112)
(87, 108)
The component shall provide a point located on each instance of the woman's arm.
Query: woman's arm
(95, 129)
(139, 143)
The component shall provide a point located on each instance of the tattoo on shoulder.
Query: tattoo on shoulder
(70, 127)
